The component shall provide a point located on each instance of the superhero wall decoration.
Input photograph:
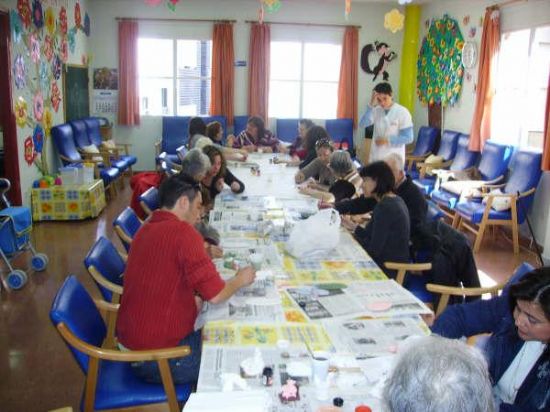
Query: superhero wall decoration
(375, 58)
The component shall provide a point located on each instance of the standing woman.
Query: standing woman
(219, 174)
(257, 138)
(386, 236)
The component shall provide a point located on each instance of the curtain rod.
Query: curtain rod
(505, 3)
(175, 20)
(303, 24)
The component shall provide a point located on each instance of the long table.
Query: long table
(335, 303)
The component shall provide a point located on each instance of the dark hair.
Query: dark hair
(308, 124)
(314, 134)
(258, 122)
(324, 143)
(533, 287)
(196, 126)
(212, 130)
(176, 186)
(212, 151)
(382, 174)
(383, 88)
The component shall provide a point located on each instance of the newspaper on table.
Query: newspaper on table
(379, 298)
(373, 337)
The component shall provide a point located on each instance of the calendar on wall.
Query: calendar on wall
(105, 95)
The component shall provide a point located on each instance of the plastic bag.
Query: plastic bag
(316, 235)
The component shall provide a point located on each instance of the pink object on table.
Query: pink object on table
(381, 306)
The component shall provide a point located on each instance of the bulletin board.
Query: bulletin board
(75, 92)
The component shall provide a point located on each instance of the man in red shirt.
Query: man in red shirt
(167, 274)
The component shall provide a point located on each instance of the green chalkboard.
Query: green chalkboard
(75, 92)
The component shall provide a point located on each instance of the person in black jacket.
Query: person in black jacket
(219, 174)
(386, 236)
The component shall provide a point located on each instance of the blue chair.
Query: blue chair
(239, 124)
(341, 132)
(106, 266)
(447, 150)
(65, 143)
(463, 160)
(434, 212)
(126, 226)
(519, 189)
(181, 152)
(413, 277)
(149, 200)
(287, 129)
(110, 382)
(166, 165)
(425, 146)
(492, 168)
(94, 133)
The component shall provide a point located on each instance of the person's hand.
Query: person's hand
(246, 276)
(198, 303)
(348, 223)
(213, 251)
(382, 142)
(282, 148)
(299, 177)
(265, 149)
(230, 140)
(219, 184)
(304, 190)
(325, 205)
(429, 319)
(235, 187)
(244, 154)
(373, 99)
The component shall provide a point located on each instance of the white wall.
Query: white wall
(513, 17)
(104, 43)
(29, 173)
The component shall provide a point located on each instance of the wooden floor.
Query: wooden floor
(37, 371)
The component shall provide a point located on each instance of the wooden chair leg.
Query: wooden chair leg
(515, 231)
(456, 221)
(168, 384)
(91, 383)
(479, 236)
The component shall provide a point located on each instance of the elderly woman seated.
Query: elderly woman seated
(347, 184)
(435, 374)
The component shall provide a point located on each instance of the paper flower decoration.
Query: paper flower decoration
(16, 26)
(63, 20)
(38, 106)
(87, 25)
(43, 76)
(49, 16)
(71, 38)
(29, 151)
(38, 138)
(47, 47)
(21, 112)
(35, 48)
(64, 50)
(347, 9)
(37, 16)
(440, 69)
(47, 121)
(153, 2)
(272, 5)
(56, 67)
(393, 21)
(20, 72)
(24, 10)
(56, 96)
(77, 15)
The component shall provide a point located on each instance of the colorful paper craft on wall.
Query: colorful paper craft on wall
(383, 56)
(394, 20)
(440, 70)
(171, 4)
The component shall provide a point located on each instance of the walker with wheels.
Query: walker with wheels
(15, 230)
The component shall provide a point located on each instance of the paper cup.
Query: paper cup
(319, 367)
(256, 259)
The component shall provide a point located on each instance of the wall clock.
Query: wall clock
(469, 54)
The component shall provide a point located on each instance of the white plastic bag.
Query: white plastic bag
(316, 235)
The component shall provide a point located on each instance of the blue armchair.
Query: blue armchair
(65, 143)
(287, 129)
(464, 159)
(447, 151)
(239, 124)
(149, 200)
(519, 190)
(126, 226)
(341, 132)
(110, 382)
(492, 168)
(425, 146)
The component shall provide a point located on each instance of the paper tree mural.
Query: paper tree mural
(440, 70)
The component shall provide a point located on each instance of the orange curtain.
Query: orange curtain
(128, 92)
(258, 70)
(347, 85)
(223, 72)
(546, 149)
(490, 43)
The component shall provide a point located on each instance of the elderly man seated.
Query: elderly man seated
(436, 374)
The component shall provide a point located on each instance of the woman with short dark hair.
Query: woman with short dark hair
(386, 236)
(197, 132)
(219, 174)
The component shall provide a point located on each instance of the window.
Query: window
(174, 76)
(521, 82)
(304, 79)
